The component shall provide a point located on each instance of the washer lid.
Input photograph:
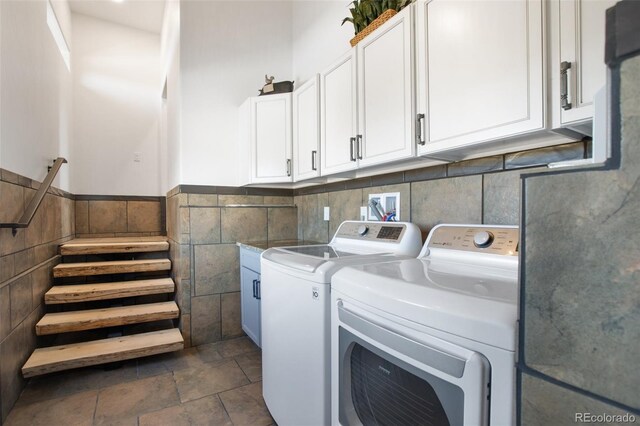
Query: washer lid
(322, 251)
(477, 303)
(320, 259)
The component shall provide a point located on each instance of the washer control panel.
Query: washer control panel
(494, 240)
(388, 232)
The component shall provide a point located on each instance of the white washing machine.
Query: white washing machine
(296, 318)
(430, 340)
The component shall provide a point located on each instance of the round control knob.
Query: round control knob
(363, 229)
(483, 239)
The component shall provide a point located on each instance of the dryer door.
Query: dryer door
(391, 376)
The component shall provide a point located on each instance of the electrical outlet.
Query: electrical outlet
(326, 214)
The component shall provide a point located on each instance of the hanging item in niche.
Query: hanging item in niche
(271, 88)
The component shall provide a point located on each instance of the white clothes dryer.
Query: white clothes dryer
(295, 287)
(430, 340)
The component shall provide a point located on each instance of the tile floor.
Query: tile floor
(214, 384)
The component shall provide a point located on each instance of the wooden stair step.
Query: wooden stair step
(62, 322)
(58, 358)
(81, 246)
(110, 267)
(105, 291)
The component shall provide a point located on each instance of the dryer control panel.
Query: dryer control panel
(388, 232)
(483, 239)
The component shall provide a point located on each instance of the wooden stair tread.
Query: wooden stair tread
(58, 358)
(110, 267)
(81, 246)
(116, 239)
(89, 319)
(104, 291)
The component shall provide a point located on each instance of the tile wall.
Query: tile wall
(204, 223)
(203, 229)
(119, 216)
(581, 301)
(484, 190)
(26, 262)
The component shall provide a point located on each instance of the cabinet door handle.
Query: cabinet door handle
(352, 154)
(313, 160)
(359, 139)
(564, 85)
(288, 167)
(255, 294)
(258, 295)
(419, 133)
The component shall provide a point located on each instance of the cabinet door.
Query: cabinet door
(250, 306)
(386, 92)
(271, 139)
(338, 116)
(480, 71)
(582, 34)
(306, 130)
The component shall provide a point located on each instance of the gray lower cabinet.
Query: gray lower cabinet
(250, 293)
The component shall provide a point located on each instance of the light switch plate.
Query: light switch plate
(326, 213)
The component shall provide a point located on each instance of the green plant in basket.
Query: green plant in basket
(364, 12)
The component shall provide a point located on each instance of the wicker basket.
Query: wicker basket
(384, 17)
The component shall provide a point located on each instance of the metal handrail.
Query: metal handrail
(35, 202)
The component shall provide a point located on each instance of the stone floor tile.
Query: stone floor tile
(126, 400)
(246, 406)
(251, 364)
(174, 361)
(69, 382)
(146, 386)
(228, 348)
(153, 366)
(76, 410)
(209, 352)
(120, 421)
(187, 358)
(234, 347)
(194, 383)
(202, 412)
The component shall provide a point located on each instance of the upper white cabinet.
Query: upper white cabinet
(367, 100)
(306, 130)
(445, 79)
(480, 73)
(386, 92)
(338, 115)
(265, 124)
(579, 68)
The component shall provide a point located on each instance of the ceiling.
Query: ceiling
(141, 14)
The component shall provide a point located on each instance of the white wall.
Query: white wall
(218, 60)
(170, 119)
(117, 88)
(226, 48)
(35, 85)
(318, 38)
